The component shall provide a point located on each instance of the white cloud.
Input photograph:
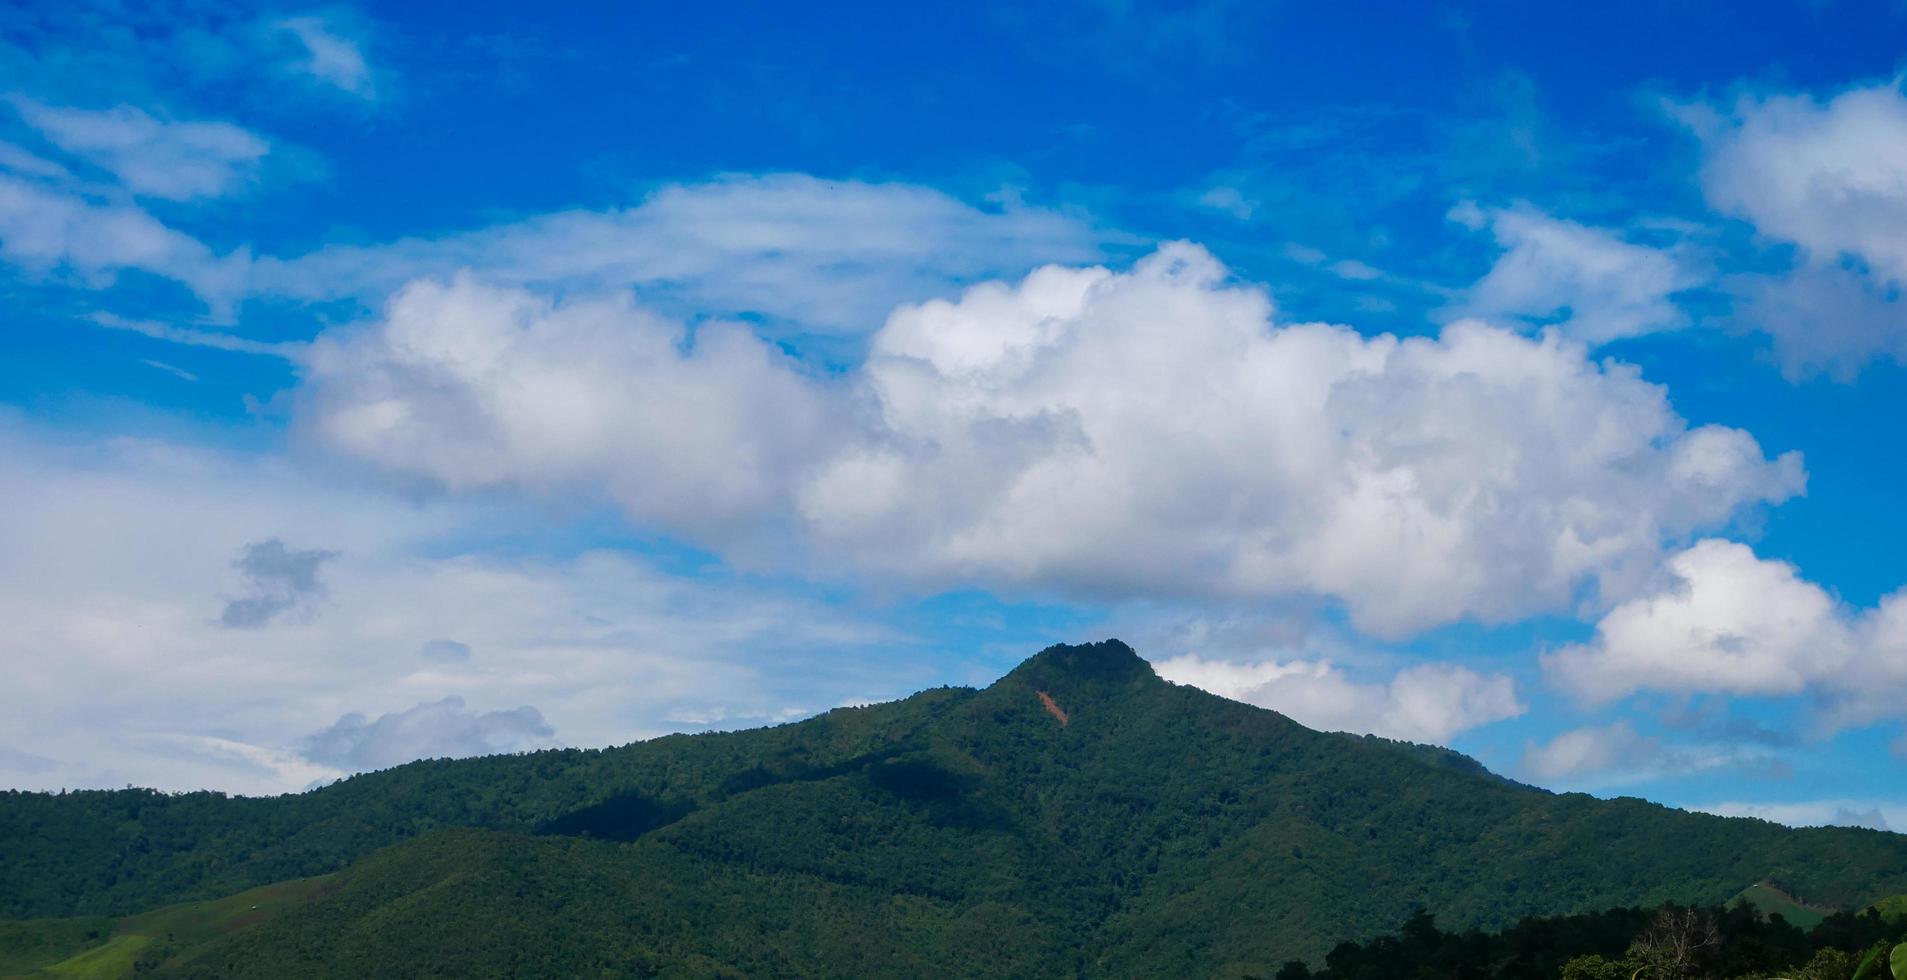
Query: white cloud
(471, 386)
(1590, 750)
(1589, 282)
(1150, 434)
(330, 57)
(193, 337)
(829, 255)
(172, 369)
(1155, 433)
(169, 159)
(1423, 703)
(1830, 178)
(48, 230)
(1731, 622)
(823, 256)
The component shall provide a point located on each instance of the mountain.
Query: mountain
(1078, 817)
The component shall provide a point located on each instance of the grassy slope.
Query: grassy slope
(104, 949)
(1770, 900)
(1159, 830)
(29, 945)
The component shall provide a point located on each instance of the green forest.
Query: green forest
(1739, 941)
(1141, 829)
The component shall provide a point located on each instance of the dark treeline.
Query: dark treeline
(1668, 943)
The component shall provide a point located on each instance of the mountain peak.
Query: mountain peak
(1108, 661)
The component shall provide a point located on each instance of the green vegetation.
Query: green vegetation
(1771, 899)
(1892, 907)
(1157, 831)
(172, 937)
(1668, 943)
(30, 945)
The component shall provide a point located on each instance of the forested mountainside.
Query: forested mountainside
(1079, 816)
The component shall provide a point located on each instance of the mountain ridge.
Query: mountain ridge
(1158, 828)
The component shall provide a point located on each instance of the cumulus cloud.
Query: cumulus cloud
(1422, 703)
(1588, 282)
(431, 730)
(1152, 433)
(1829, 178)
(474, 386)
(1156, 433)
(328, 56)
(175, 160)
(1731, 622)
(279, 583)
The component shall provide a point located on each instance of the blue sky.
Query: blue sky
(428, 379)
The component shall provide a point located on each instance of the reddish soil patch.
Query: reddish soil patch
(1052, 706)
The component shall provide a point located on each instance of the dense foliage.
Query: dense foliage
(1668, 943)
(1157, 830)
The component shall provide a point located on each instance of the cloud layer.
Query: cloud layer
(116, 555)
(1147, 433)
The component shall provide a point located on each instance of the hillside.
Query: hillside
(1140, 828)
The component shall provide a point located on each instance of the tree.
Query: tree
(1673, 946)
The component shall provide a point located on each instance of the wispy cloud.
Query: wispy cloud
(193, 337)
(1587, 282)
(329, 56)
(172, 369)
(169, 159)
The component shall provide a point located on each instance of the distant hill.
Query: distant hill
(1078, 817)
